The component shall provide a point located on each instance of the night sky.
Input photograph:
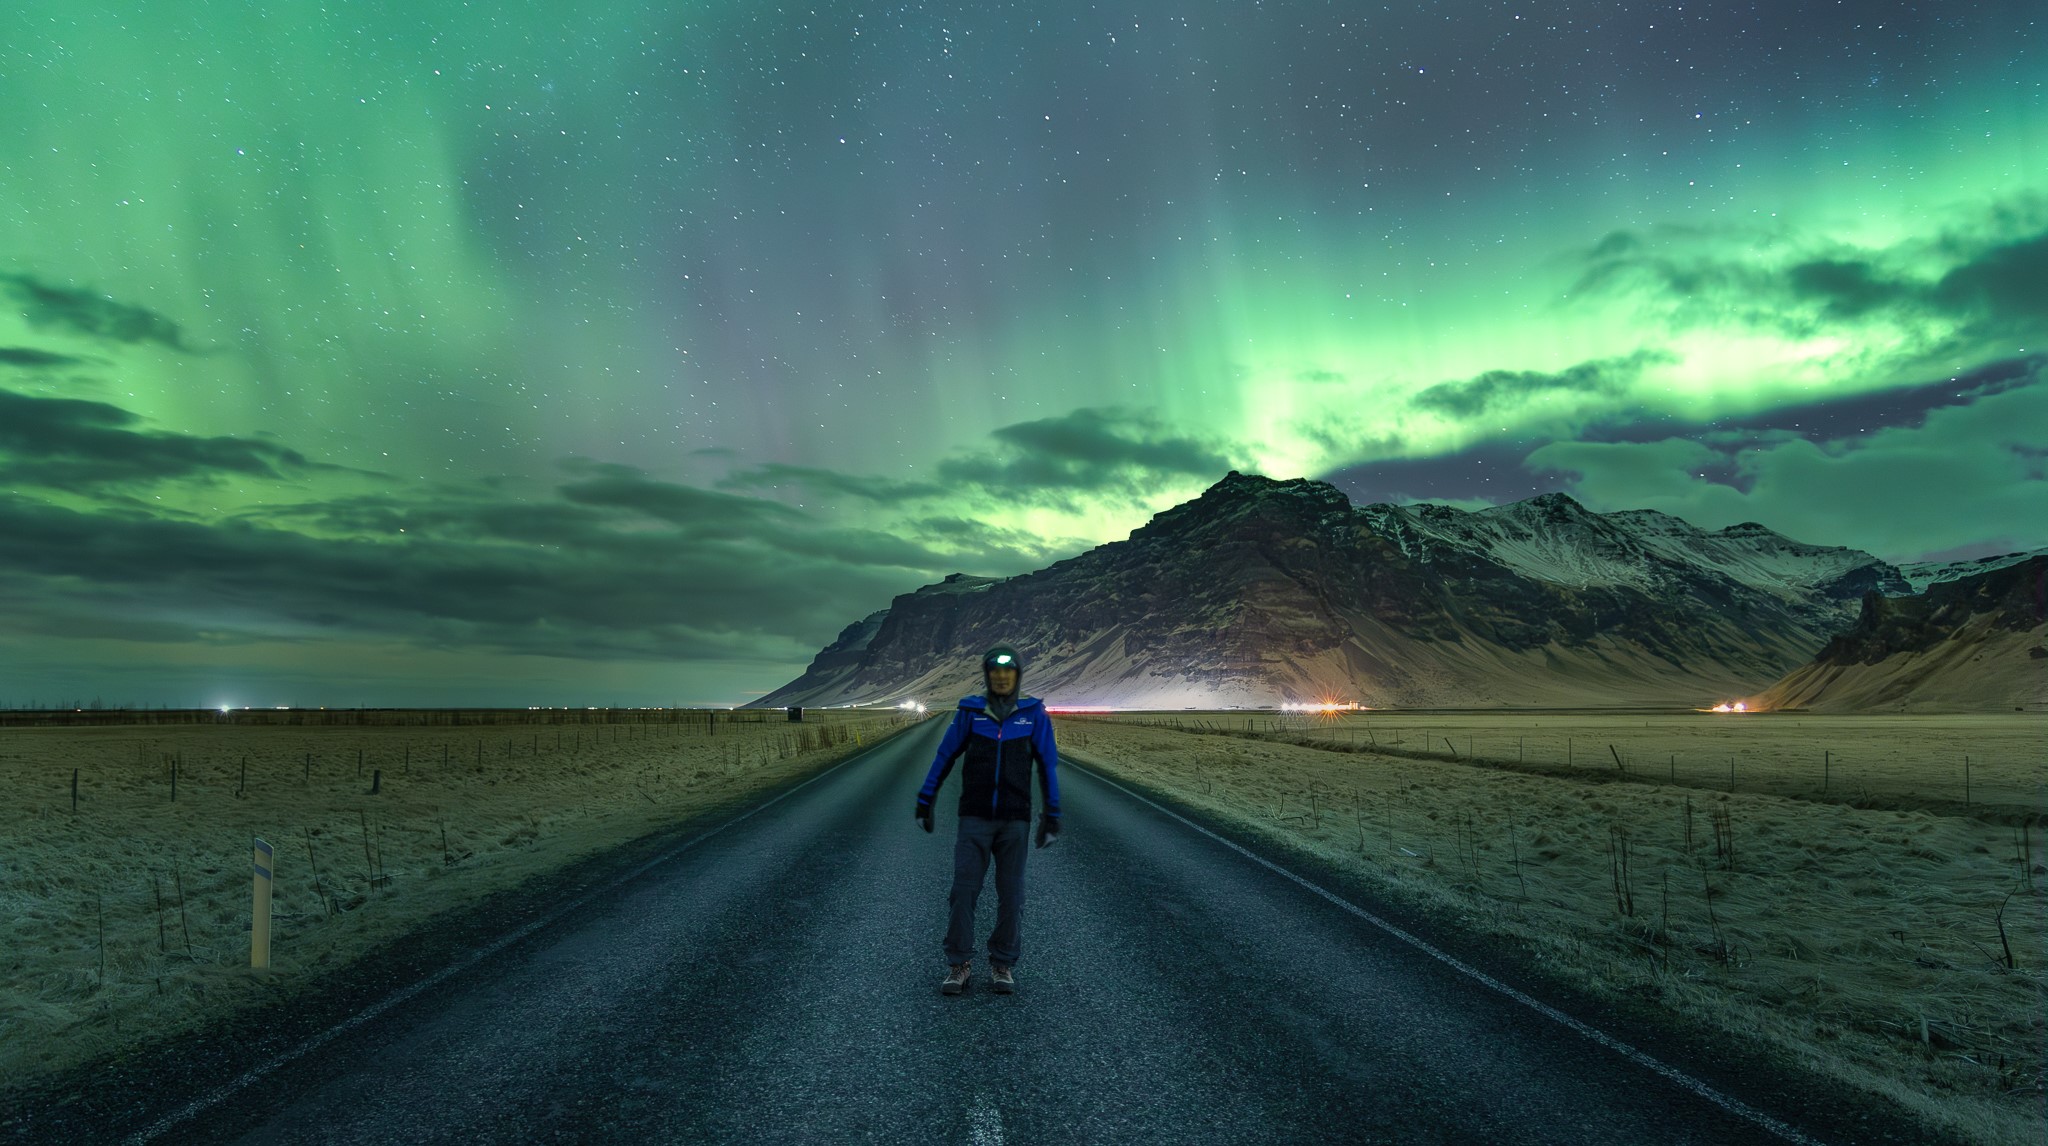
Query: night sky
(581, 352)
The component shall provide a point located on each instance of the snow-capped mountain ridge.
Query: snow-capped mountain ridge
(1259, 591)
(1555, 539)
(1924, 574)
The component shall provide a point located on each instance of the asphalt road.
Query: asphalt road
(777, 981)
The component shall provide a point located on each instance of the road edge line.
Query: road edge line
(1640, 1058)
(228, 1090)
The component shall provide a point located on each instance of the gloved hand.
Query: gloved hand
(1048, 829)
(924, 815)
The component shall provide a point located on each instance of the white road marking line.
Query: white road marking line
(1723, 1101)
(985, 1122)
(223, 1092)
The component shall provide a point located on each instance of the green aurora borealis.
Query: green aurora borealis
(618, 352)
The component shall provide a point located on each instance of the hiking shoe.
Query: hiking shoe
(956, 979)
(1004, 985)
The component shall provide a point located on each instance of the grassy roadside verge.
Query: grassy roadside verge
(1857, 943)
(129, 919)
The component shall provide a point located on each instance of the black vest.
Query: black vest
(995, 775)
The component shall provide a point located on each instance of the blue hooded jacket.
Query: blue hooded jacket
(995, 783)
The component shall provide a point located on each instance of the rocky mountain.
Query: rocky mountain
(1262, 591)
(837, 668)
(1921, 574)
(1975, 643)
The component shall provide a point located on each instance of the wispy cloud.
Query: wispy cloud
(83, 312)
(1600, 381)
(30, 358)
(1957, 289)
(608, 562)
(883, 491)
(1102, 450)
(68, 443)
(1106, 450)
(617, 593)
(1968, 473)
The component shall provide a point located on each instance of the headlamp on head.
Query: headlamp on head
(1001, 659)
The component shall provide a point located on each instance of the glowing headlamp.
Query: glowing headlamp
(1003, 659)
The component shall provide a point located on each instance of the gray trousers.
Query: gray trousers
(979, 838)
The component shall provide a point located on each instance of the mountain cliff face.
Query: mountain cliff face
(1261, 591)
(1976, 643)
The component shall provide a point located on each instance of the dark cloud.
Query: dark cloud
(1602, 378)
(1488, 471)
(616, 510)
(1498, 471)
(1672, 266)
(1828, 417)
(2009, 279)
(1845, 289)
(609, 564)
(1834, 417)
(448, 514)
(1950, 478)
(703, 512)
(1098, 450)
(93, 315)
(1062, 463)
(30, 358)
(1314, 375)
(81, 612)
(2002, 282)
(69, 443)
(666, 594)
(1494, 469)
(699, 515)
(988, 548)
(882, 491)
(1994, 283)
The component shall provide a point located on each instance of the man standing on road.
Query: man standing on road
(1000, 733)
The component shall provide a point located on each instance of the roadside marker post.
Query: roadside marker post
(259, 916)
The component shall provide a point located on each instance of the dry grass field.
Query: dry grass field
(1889, 935)
(128, 919)
(1990, 767)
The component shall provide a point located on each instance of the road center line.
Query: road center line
(1638, 1057)
(984, 1122)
